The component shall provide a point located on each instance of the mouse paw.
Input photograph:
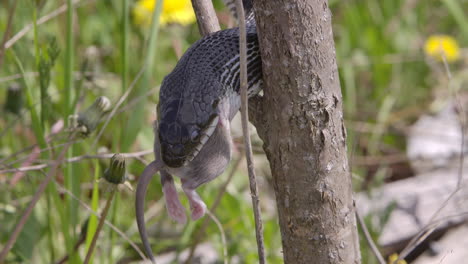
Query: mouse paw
(198, 209)
(174, 208)
(176, 211)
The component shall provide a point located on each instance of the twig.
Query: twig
(77, 159)
(430, 226)
(121, 100)
(368, 237)
(100, 225)
(223, 235)
(62, 189)
(136, 100)
(78, 243)
(34, 155)
(6, 34)
(40, 21)
(33, 202)
(79, 75)
(24, 150)
(201, 231)
(245, 131)
(206, 16)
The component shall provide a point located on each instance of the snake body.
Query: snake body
(191, 95)
(197, 102)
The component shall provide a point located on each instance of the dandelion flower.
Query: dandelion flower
(393, 259)
(174, 11)
(442, 46)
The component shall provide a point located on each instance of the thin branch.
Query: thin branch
(78, 243)
(99, 227)
(430, 226)
(77, 159)
(62, 189)
(206, 16)
(32, 204)
(368, 237)
(79, 75)
(201, 231)
(4, 163)
(34, 155)
(245, 131)
(223, 235)
(40, 21)
(121, 100)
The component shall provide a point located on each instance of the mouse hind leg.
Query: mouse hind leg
(197, 206)
(174, 208)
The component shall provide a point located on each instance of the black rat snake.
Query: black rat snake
(197, 102)
(207, 74)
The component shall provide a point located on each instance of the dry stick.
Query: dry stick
(137, 100)
(245, 131)
(100, 225)
(116, 107)
(109, 224)
(24, 150)
(77, 159)
(427, 229)
(223, 235)
(206, 16)
(368, 237)
(198, 236)
(34, 155)
(33, 202)
(40, 21)
(7, 31)
(79, 75)
(78, 243)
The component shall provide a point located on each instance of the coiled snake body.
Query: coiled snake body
(192, 94)
(198, 100)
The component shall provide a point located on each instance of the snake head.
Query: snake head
(182, 133)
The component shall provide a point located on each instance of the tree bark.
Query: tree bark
(206, 16)
(300, 120)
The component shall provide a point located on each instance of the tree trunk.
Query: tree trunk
(206, 16)
(300, 120)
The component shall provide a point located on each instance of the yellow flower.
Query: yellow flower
(440, 46)
(174, 11)
(393, 259)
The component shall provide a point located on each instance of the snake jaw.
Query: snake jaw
(206, 134)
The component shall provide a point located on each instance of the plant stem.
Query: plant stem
(135, 122)
(11, 241)
(93, 219)
(246, 133)
(68, 85)
(36, 124)
(6, 33)
(124, 44)
(100, 225)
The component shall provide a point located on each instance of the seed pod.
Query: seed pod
(39, 4)
(116, 174)
(14, 99)
(89, 119)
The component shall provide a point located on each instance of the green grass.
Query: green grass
(387, 82)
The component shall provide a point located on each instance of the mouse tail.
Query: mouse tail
(142, 187)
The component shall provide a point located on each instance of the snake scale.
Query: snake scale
(197, 102)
